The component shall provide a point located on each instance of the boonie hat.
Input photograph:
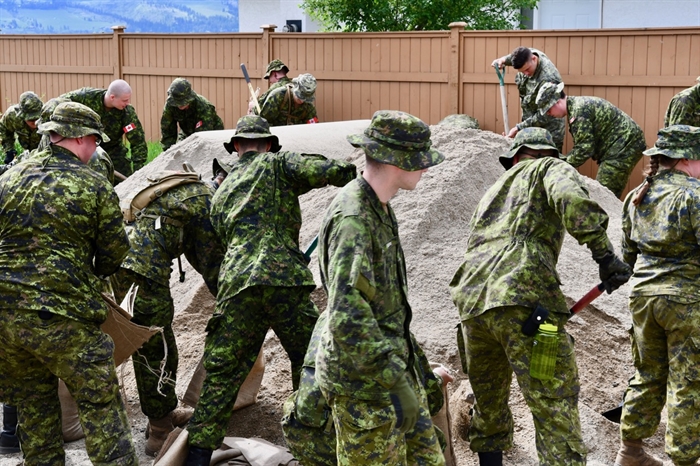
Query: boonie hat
(548, 95)
(253, 127)
(399, 139)
(275, 65)
(74, 120)
(180, 93)
(677, 142)
(218, 166)
(304, 87)
(532, 138)
(30, 106)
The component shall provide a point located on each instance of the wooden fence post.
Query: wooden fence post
(453, 77)
(117, 50)
(267, 45)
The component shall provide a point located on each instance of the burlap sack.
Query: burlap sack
(247, 395)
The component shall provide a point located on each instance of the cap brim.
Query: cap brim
(230, 148)
(32, 116)
(70, 131)
(506, 159)
(409, 160)
(667, 152)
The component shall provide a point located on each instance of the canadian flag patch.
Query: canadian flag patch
(312, 121)
(199, 123)
(129, 127)
(572, 119)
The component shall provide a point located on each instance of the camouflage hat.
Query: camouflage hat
(532, 138)
(30, 106)
(74, 120)
(180, 93)
(548, 95)
(677, 142)
(49, 107)
(253, 127)
(218, 166)
(399, 139)
(304, 87)
(275, 65)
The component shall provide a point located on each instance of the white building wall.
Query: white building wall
(254, 13)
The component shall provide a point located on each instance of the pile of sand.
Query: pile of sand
(432, 221)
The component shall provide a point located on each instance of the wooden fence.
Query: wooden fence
(429, 74)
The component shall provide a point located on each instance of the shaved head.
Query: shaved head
(118, 88)
(118, 94)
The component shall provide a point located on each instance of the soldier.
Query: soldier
(684, 107)
(60, 231)
(534, 69)
(661, 227)
(292, 104)
(365, 364)
(601, 132)
(515, 236)
(20, 120)
(308, 424)
(264, 280)
(119, 119)
(175, 223)
(190, 110)
(276, 74)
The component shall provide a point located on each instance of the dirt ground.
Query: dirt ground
(433, 221)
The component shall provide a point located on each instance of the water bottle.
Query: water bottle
(544, 352)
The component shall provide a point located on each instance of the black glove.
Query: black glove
(613, 272)
(10, 155)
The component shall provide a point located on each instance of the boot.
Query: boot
(9, 443)
(181, 416)
(491, 458)
(632, 453)
(157, 431)
(198, 456)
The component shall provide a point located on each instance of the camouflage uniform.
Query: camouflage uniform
(528, 86)
(275, 65)
(264, 280)
(684, 107)
(366, 347)
(515, 236)
(660, 240)
(60, 228)
(279, 108)
(307, 432)
(117, 123)
(200, 115)
(13, 123)
(283, 81)
(173, 224)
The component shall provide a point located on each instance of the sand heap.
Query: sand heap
(432, 221)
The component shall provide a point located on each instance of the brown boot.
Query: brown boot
(157, 431)
(632, 453)
(181, 416)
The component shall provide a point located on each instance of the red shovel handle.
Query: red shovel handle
(587, 299)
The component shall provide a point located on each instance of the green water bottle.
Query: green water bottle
(544, 352)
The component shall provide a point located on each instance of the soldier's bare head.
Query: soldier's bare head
(118, 94)
(524, 60)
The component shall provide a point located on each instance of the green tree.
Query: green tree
(414, 15)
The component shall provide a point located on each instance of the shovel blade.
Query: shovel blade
(613, 415)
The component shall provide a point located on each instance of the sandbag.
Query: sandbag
(72, 430)
(174, 450)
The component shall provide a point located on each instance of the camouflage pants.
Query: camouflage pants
(495, 348)
(367, 433)
(614, 174)
(235, 334)
(153, 307)
(666, 352)
(35, 351)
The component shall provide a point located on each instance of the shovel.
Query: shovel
(540, 314)
(504, 102)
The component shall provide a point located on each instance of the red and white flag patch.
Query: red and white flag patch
(129, 127)
(199, 124)
(312, 121)
(572, 119)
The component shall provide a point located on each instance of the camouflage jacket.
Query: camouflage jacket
(529, 86)
(155, 243)
(601, 131)
(100, 160)
(60, 228)
(281, 83)
(661, 236)
(257, 215)
(684, 108)
(366, 346)
(117, 123)
(276, 109)
(11, 124)
(199, 116)
(516, 234)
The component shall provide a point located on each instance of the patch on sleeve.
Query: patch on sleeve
(572, 119)
(362, 284)
(129, 127)
(199, 124)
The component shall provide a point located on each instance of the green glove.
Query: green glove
(405, 402)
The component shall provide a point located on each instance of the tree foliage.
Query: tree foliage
(415, 15)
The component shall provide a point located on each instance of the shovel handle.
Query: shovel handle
(501, 75)
(504, 101)
(587, 299)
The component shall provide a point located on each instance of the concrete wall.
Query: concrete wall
(254, 13)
